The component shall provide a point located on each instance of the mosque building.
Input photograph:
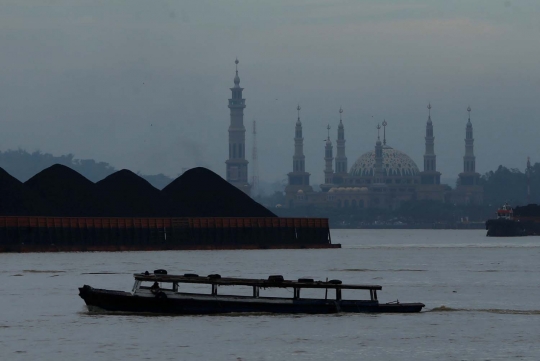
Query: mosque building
(381, 178)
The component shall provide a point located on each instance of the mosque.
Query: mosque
(381, 178)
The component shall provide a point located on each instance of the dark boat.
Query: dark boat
(515, 221)
(160, 293)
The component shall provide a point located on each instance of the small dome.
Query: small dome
(394, 163)
(300, 191)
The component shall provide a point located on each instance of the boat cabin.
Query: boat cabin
(169, 285)
(505, 212)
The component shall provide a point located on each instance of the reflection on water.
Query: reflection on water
(481, 297)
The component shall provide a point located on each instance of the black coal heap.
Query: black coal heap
(61, 191)
(203, 193)
(66, 192)
(15, 199)
(125, 194)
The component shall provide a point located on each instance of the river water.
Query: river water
(482, 300)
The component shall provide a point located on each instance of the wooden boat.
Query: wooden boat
(160, 293)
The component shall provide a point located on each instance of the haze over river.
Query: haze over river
(482, 299)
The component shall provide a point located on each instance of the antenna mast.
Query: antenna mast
(254, 163)
(528, 180)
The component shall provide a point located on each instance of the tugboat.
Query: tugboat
(159, 293)
(514, 222)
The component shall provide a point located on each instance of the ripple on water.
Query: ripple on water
(501, 311)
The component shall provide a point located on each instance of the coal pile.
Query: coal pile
(66, 192)
(200, 192)
(61, 191)
(530, 210)
(125, 194)
(15, 199)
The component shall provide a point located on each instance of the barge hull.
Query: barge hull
(79, 234)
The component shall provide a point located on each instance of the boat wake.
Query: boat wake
(500, 311)
(375, 270)
(442, 246)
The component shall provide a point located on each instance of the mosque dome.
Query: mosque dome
(395, 164)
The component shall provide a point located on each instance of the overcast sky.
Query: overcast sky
(144, 84)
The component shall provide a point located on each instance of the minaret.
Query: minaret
(341, 159)
(378, 187)
(469, 190)
(430, 174)
(384, 124)
(298, 178)
(298, 157)
(328, 159)
(469, 160)
(237, 165)
(378, 173)
(469, 177)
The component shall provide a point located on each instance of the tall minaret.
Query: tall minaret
(237, 165)
(341, 159)
(298, 158)
(430, 174)
(328, 159)
(469, 160)
(469, 175)
(378, 173)
(298, 178)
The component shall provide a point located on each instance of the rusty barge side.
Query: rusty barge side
(76, 234)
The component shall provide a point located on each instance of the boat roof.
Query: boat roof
(265, 283)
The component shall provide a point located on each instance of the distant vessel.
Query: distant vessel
(515, 222)
(160, 293)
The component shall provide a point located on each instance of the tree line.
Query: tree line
(23, 165)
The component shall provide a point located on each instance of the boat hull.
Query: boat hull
(206, 304)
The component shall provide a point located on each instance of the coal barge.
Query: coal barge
(60, 210)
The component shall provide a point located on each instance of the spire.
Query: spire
(378, 168)
(237, 164)
(341, 158)
(236, 78)
(328, 128)
(298, 157)
(328, 160)
(430, 159)
(469, 160)
(469, 128)
(384, 124)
